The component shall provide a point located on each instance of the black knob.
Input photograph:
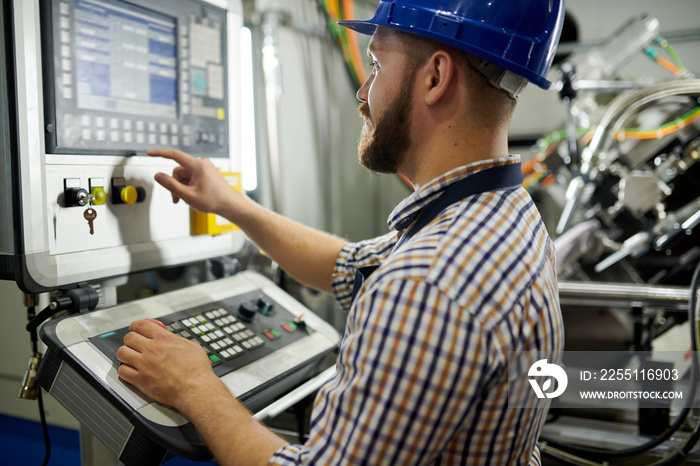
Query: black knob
(264, 307)
(76, 197)
(246, 312)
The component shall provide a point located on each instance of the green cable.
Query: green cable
(556, 136)
(661, 41)
(339, 34)
(691, 113)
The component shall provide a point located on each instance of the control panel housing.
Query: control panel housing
(90, 86)
(80, 368)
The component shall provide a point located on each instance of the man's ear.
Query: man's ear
(439, 73)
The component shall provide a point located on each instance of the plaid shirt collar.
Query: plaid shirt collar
(412, 206)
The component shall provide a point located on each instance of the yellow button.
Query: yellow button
(100, 195)
(128, 195)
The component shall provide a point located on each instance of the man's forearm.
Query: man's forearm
(228, 429)
(306, 254)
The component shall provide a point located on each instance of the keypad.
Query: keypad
(222, 335)
(231, 338)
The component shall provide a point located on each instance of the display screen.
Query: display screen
(125, 59)
(122, 77)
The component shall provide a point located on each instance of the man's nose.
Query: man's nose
(362, 91)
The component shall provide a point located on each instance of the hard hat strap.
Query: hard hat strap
(500, 77)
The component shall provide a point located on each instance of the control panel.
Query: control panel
(260, 341)
(91, 86)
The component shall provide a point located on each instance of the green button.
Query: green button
(214, 358)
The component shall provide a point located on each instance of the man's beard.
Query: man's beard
(383, 144)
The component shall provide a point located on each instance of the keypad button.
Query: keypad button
(257, 341)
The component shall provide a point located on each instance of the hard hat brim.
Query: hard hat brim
(363, 27)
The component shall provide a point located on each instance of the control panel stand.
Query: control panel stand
(93, 452)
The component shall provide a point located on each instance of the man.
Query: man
(466, 277)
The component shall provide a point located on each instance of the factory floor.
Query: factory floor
(22, 444)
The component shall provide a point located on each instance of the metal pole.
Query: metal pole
(622, 295)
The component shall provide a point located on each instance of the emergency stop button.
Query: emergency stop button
(126, 194)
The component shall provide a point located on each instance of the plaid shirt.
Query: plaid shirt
(422, 370)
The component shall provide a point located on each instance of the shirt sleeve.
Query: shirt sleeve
(354, 255)
(406, 377)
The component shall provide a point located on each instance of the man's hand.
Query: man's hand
(196, 181)
(168, 368)
(306, 254)
(176, 372)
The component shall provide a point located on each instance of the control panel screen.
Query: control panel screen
(126, 59)
(122, 78)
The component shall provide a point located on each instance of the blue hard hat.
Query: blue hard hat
(518, 35)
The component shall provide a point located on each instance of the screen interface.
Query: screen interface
(125, 59)
(125, 76)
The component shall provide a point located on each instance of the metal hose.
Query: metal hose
(619, 110)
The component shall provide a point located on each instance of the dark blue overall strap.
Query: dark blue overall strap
(491, 179)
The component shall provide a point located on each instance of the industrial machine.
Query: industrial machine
(86, 87)
(626, 162)
(619, 187)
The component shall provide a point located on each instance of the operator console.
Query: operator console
(260, 341)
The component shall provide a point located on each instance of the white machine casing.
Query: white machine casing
(50, 244)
